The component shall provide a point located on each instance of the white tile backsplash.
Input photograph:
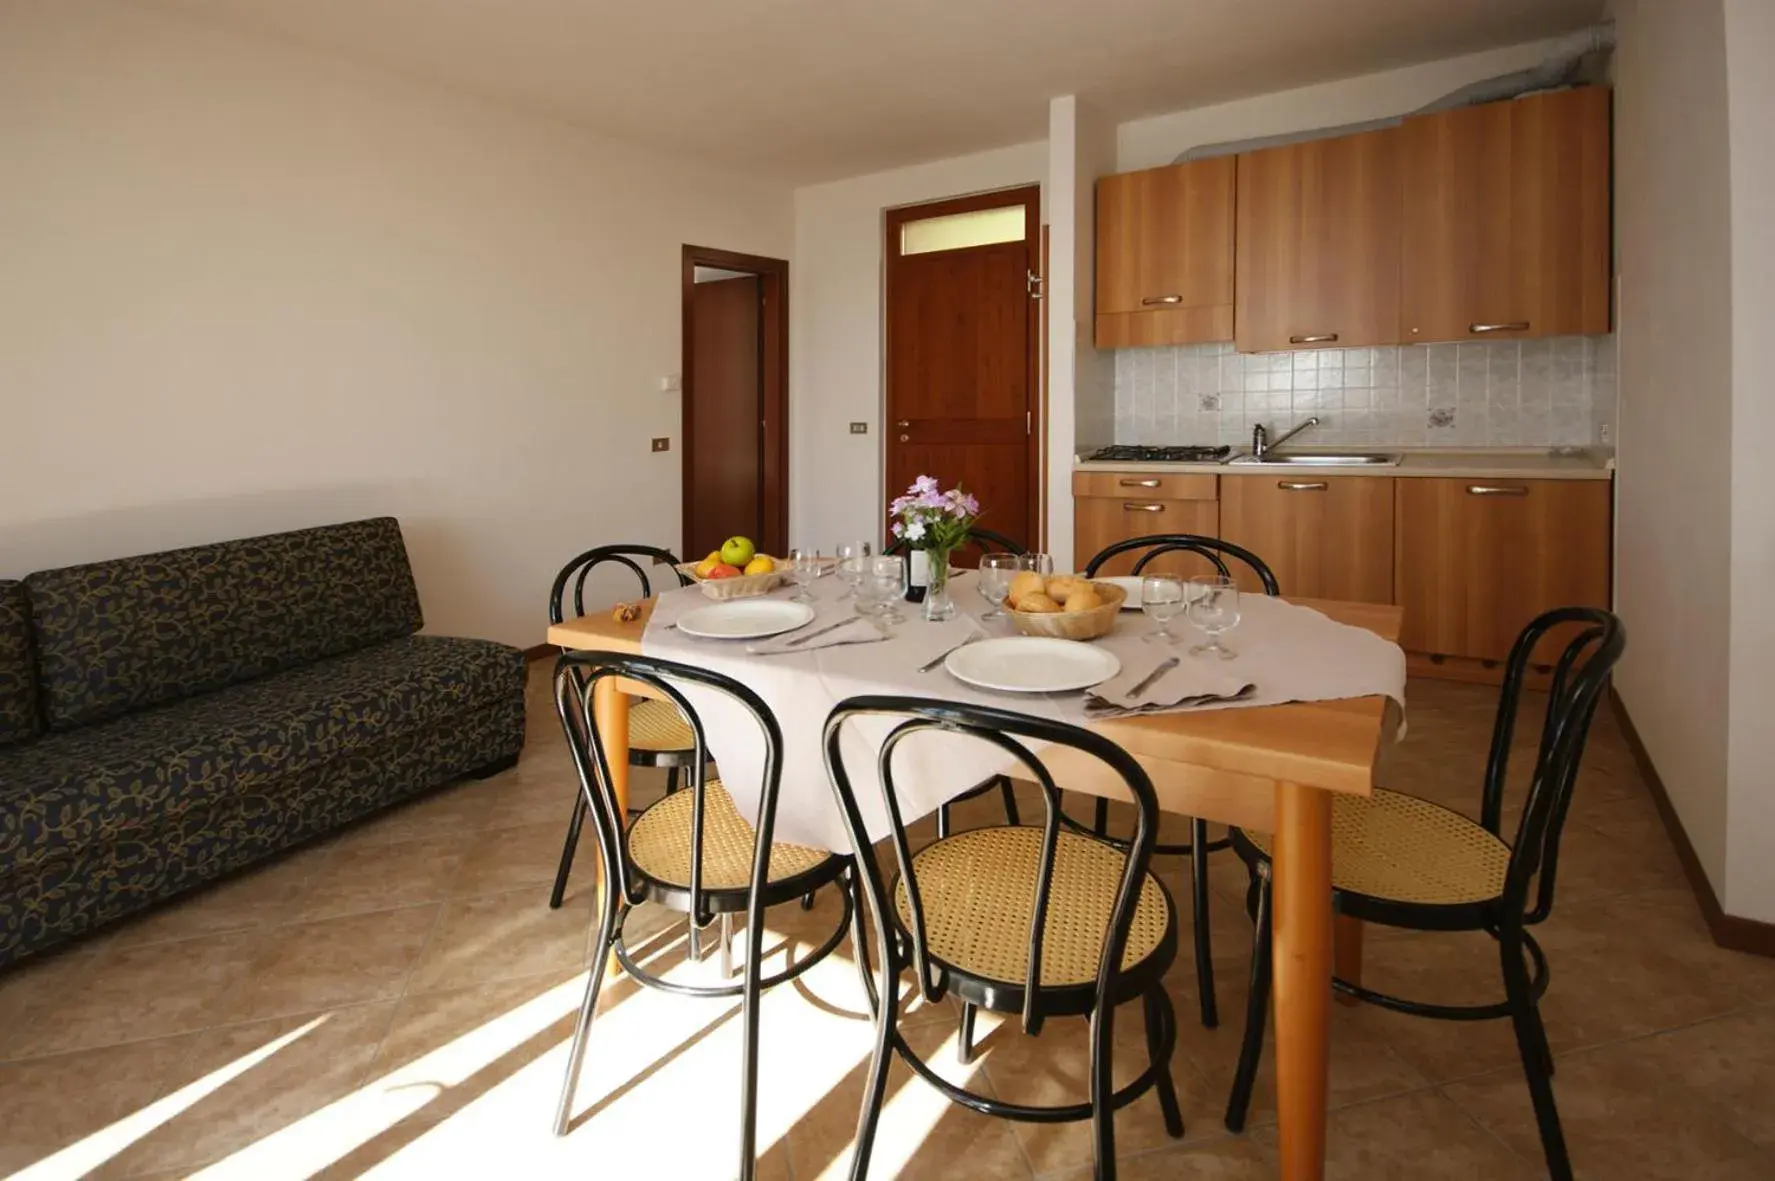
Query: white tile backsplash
(1554, 392)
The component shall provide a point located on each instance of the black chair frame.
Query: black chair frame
(900, 945)
(577, 571)
(1576, 686)
(1216, 552)
(576, 677)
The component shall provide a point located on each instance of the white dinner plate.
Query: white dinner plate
(1130, 587)
(745, 619)
(1031, 664)
(1130, 584)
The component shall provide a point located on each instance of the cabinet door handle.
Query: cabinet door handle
(903, 424)
(1495, 490)
(1512, 326)
(1318, 338)
(1150, 300)
(1140, 483)
(1302, 485)
(1143, 508)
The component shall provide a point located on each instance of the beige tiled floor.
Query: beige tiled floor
(395, 1002)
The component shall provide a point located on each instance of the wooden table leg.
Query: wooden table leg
(1347, 952)
(1302, 950)
(610, 714)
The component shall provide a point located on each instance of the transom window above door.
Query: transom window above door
(958, 231)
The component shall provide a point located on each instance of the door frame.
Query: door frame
(1030, 196)
(773, 388)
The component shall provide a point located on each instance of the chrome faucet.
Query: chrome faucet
(1260, 438)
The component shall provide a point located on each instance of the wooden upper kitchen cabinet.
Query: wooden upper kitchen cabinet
(1165, 255)
(1506, 219)
(1318, 243)
(1324, 537)
(1478, 559)
(1114, 506)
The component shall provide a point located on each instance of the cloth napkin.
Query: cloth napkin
(1194, 680)
(855, 630)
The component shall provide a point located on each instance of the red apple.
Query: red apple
(723, 570)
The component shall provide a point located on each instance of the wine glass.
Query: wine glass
(995, 581)
(885, 583)
(1042, 564)
(852, 556)
(804, 567)
(1214, 607)
(1161, 598)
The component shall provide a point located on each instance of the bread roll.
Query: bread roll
(1024, 584)
(1084, 598)
(1038, 604)
(1062, 586)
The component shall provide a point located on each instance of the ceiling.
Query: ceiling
(809, 90)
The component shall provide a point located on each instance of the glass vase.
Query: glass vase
(938, 606)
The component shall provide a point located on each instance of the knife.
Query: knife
(928, 665)
(830, 627)
(1146, 682)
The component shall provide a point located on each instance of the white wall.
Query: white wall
(835, 314)
(245, 288)
(1673, 554)
(1148, 143)
(1081, 393)
(1750, 805)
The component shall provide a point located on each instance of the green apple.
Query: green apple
(737, 551)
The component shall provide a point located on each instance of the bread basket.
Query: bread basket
(1075, 625)
(740, 586)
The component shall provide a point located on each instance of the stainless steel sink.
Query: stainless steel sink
(1318, 459)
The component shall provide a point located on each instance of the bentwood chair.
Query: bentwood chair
(1036, 921)
(1216, 552)
(1405, 862)
(658, 734)
(691, 852)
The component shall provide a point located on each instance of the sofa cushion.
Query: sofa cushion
(118, 636)
(20, 716)
(101, 784)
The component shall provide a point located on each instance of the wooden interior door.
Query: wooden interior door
(1318, 244)
(961, 384)
(725, 425)
(1323, 537)
(1506, 219)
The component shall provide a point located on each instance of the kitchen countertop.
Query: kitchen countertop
(1493, 463)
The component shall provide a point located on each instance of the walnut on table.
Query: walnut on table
(626, 612)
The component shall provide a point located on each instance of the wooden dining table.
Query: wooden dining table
(1271, 768)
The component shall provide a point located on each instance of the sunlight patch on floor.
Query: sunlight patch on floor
(82, 1158)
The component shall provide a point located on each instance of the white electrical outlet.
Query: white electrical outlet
(671, 383)
(1605, 433)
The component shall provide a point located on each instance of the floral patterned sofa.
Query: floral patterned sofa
(169, 718)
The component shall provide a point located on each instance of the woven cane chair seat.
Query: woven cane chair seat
(659, 844)
(978, 891)
(657, 725)
(1403, 849)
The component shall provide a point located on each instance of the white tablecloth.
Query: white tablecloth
(1290, 653)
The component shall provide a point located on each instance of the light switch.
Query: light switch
(859, 428)
(662, 444)
(671, 383)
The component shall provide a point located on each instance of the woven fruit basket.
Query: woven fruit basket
(1073, 625)
(740, 586)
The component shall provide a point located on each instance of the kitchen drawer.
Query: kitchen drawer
(1101, 521)
(1145, 486)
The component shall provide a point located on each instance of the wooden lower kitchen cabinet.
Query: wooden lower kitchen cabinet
(1324, 537)
(1113, 506)
(1476, 560)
